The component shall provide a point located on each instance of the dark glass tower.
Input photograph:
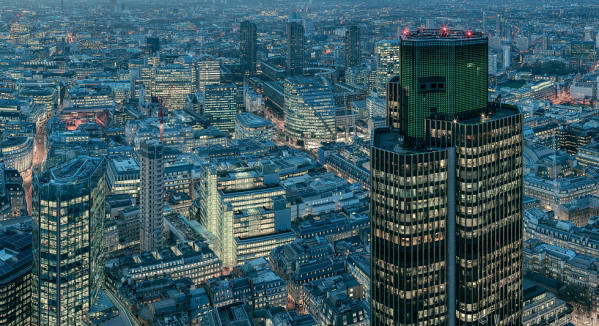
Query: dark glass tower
(446, 192)
(247, 47)
(442, 71)
(295, 48)
(353, 54)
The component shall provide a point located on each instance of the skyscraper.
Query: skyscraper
(353, 53)
(220, 106)
(309, 111)
(209, 72)
(247, 46)
(295, 48)
(507, 56)
(446, 191)
(68, 235)
(15, 276)
(387, 64)
(151, 202)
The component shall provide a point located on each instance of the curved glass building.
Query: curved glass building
(68, 233)
(309, 111)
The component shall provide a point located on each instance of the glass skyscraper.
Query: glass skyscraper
(309, 111)
(247, 46)
(295, 48)
(446, 191)
(68, 233)
(387, 64)
(221, 106)
(353, 55)
(445, 74)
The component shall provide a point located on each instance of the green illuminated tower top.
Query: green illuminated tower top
(441, 71)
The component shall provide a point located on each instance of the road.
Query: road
(125, 314)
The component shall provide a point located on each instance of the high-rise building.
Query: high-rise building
(172, 83)
(493, 64)
(309, 111)
(209, 72)
(152, 46)
(247, 46)
(446, 191)
(220, 106)
(15, 276)
(442, 74)
(387, 64)
(295, 48)
(68, 235)
(353, 53)
(507, 56)
(151, 202)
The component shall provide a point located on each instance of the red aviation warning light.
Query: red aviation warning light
(468, 33)
(444, 31)
(406, 31)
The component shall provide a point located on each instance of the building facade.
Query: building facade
(15, 277)
(353, 55)
(68, 224)
(247, 46)
(309, 111)
(446, 192)
(220, 105)
(151, 201)
(295, 48)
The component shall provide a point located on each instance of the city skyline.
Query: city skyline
(299, 163)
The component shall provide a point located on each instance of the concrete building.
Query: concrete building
(151, 200)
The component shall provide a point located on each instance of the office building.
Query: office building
(309, 111)
(151, 201)
(248, 125)
(193, 260)
(68, 235)
(353, 55)
(542, 307)
(387, 64)
(220, 105)
(247, 47)
(446, 192)
(439, 75)
(507, 56)
(123, 176)
(172, 84)
(295, 48)
(493, 64)
(15, 276)
(209, 72)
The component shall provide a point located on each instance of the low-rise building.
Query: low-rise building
(542, 307)
(191, 260)
(248, 125)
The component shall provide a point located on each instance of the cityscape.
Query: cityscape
(299, 163)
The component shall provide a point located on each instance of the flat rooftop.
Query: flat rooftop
(124, 164)
(250, 120)
(442, 34)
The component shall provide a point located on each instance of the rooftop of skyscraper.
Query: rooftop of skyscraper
(74, 170)
(443, 33)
